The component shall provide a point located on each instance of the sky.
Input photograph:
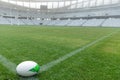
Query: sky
(80, 3)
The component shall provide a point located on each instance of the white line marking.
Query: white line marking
(12, 66)
(8, 64)
(55, 62)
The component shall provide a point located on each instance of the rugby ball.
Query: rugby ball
(27, 68)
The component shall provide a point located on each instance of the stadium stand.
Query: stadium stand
(106, 15)
(112, 22)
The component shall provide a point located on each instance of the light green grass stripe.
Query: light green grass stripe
(55, 62)
(8, 64)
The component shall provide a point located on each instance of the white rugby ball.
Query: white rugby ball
(27, 68)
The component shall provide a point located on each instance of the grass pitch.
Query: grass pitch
(45, 44)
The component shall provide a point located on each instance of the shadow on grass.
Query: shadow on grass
(29, 78)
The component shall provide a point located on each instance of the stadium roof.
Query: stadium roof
(55, 4)
(45, 0)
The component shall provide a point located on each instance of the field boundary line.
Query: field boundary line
(12, 67)
(8, 64)
(59, 60)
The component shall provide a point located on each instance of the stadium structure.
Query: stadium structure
(59, 40)
(102, 13)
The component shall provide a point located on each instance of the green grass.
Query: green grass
(45, 44)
